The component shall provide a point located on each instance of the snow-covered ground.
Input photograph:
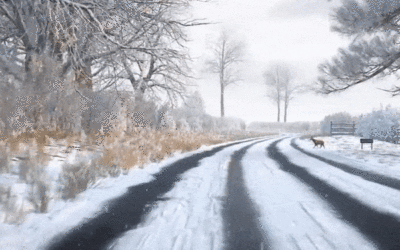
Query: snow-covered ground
(383, 158)
(38, 229)
(379, 197)
(294, 217)
(189, 216)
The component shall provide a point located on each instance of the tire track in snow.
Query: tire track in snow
(127, 211)
(366, 175)
(381, 228)
(290, 210)
(241, 224)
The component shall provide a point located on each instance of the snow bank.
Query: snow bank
(384, 158)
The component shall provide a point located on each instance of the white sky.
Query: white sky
(294, 31)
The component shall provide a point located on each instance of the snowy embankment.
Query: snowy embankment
(38, 229)
(384, 158)
(370, 205)
(381, 198)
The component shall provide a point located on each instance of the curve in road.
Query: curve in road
(127, 211)
(383, 229)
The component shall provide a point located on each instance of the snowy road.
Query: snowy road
(263, 194)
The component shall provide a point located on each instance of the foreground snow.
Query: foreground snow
(189, 216)
(37, 229)
(294, 217)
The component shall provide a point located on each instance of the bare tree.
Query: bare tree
(227, 52)
(44, 43)
(161, 65)
(374, 50)
(279, 80)
(70, 45)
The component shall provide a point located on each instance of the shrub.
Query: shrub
(36, 177)
(31, 170)
(230, 124)
(192, 117)
(76, 178)
(38, 195)
(9, 205)
(380, 124)
(4, 160)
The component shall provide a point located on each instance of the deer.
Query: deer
(318, 142)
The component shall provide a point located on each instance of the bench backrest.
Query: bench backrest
(343, 128)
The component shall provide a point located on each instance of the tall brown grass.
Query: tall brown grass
(118, 148)
(41, 138)
(117, 151)
(142, 146)
(122, 151)
(126, 150)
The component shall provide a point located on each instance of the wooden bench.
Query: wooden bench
(342, 128)
(362, 141)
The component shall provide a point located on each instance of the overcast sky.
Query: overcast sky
(293, 31)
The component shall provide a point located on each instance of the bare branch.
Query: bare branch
(374, 51)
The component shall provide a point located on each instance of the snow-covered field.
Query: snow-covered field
(382, 198)
(383, 158)
(189, 216)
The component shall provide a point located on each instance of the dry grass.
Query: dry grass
(118, 150)
(143, 146)
(124, 151)
(241, 135)
(41, 138)
(9, 206)
(33, 158)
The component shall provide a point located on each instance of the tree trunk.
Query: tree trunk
(287, 99)
(83, 81)
(278, 91)
(286, 107)
(222, 100)
(37, 86)
(279, 109)
(83, 78)
(221, 79)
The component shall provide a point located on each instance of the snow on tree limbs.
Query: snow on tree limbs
(144, 37)
(374, 51)
(86, 46)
